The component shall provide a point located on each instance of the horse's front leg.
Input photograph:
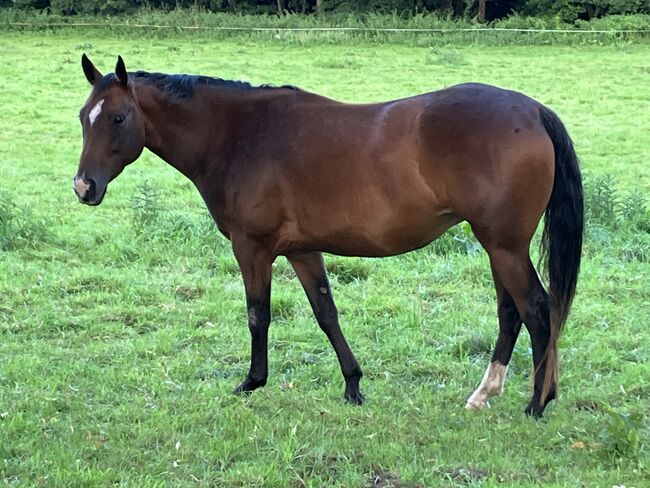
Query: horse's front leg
(255, 264)
(310, 270)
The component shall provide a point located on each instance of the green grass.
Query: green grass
(122, 327)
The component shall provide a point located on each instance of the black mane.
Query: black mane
(183, 86)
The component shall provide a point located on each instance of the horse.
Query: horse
(286, 172)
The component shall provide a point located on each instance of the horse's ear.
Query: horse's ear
(92, 74)
(120, 71)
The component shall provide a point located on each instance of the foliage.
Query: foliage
(601, 199)
(567, 10)
(146, 208)
(571, 10)
(609, 210)
(607, 205)
(622, 434)
(458, 239)
(633, 208)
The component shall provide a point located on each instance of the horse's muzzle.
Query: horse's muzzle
(86, 190)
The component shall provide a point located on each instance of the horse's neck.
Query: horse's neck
(193, 135)
(167, 127)
(197, 135)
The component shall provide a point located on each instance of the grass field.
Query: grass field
(122, 327)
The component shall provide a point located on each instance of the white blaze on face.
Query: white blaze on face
(491, 385)
(94, 113)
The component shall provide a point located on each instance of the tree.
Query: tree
(481, 10)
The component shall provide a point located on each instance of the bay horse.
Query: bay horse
(285, 172)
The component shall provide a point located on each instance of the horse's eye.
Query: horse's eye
(118, 119)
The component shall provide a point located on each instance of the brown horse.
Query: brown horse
(287, 172)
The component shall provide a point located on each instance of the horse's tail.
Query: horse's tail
(562, 238)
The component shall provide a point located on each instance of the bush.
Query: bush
(572, 10)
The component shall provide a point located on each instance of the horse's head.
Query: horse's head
(113, 131)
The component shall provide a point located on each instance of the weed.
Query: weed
(601, 200)
(606, 206)
(344, 63)
(18, 226)
(635, 246)
(621, 436)
(146, 207)
(633, 207)
(188, 293)
(449, 57)
(458, 239)
(463, 235)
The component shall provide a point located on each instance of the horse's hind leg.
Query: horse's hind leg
(509, 327)
(311, 272)
(514, 269)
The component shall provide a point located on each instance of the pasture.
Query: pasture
(123, 332)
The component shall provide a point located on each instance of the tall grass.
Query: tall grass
(369, 27)
(616, 219)
(18, 226)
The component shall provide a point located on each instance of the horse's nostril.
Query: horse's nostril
(85, 189)
(91, 192)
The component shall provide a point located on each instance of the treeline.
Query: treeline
(482, 10)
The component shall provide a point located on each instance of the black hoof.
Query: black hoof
(535, 410)
(248, 385)
(354, 397)
(353, 394)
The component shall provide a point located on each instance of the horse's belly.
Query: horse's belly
(397, 236)
(409, 232)
(368, 232)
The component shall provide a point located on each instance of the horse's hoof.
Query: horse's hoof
(248, 385)
(354, 397)
(476, 405)
(534, 409)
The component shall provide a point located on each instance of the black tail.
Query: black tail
(562, 237)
